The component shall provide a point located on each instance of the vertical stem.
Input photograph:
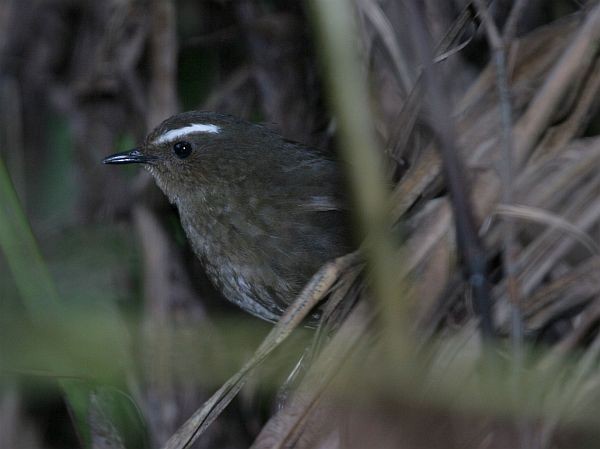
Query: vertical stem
(469, 245)
(499, 45)
(335, 31)
(510, 27)
(162, 94)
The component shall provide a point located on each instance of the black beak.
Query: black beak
(134, 156)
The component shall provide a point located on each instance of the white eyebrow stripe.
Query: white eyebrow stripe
(178, 133)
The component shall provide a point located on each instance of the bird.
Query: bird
(262, 213)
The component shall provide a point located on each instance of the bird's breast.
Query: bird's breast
(240, 257)
(260, 253)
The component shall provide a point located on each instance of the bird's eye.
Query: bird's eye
(182, 149)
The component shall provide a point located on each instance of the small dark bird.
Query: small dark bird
(262, 213)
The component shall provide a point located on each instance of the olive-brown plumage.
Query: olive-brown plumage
(262, 213)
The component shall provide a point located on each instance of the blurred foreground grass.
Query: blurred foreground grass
(46, 323)
(61, 322)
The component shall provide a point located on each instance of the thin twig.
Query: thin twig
(381, 23)
(163, 51)
(537, 215)
(499, 45)
(469, 244)
(510, 27)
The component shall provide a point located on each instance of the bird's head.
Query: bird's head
(199, 149)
